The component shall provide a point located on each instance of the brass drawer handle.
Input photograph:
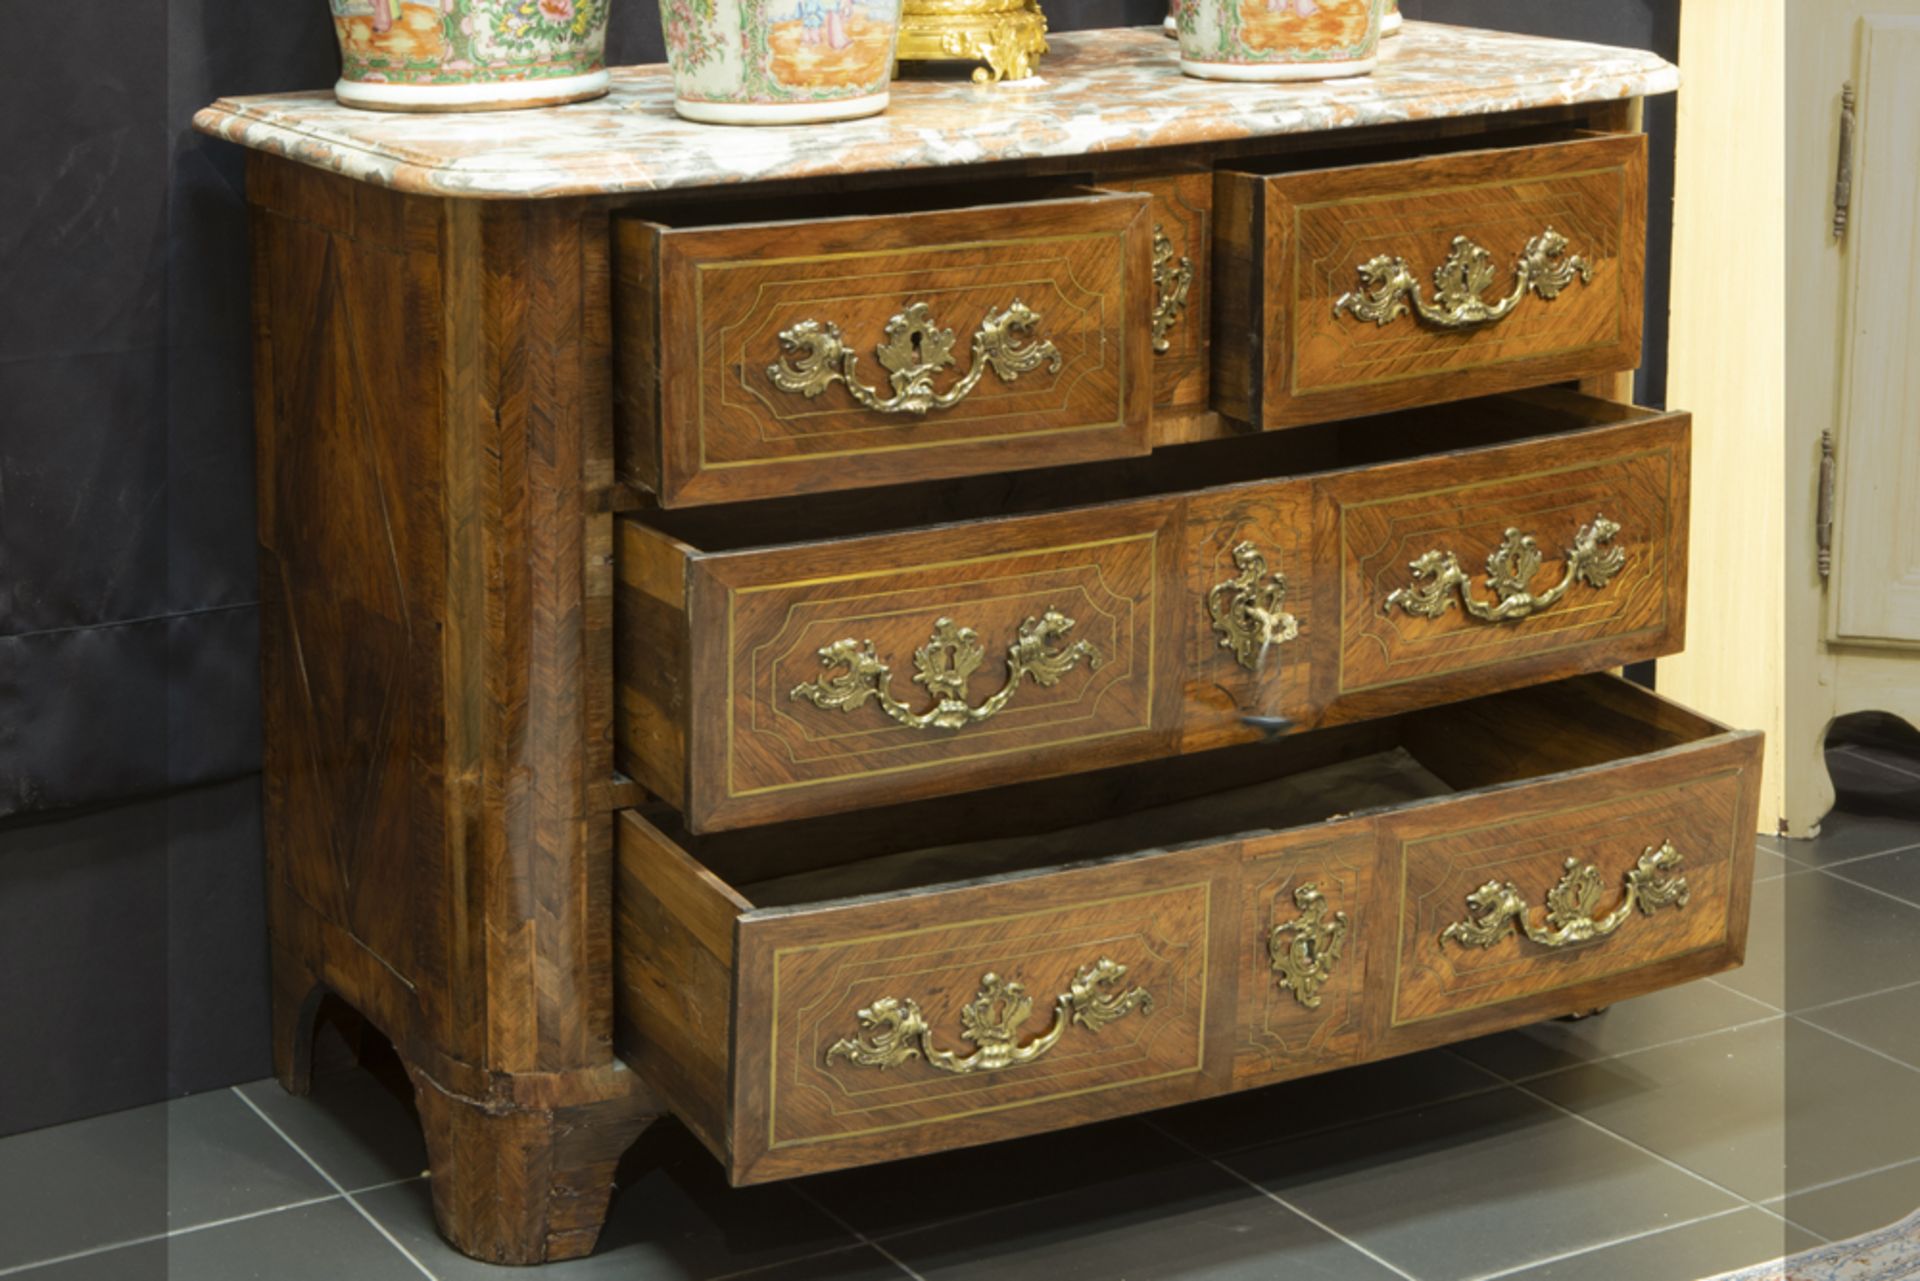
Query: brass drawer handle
(1593, 559)
(945, 665)
(1170, 287)
(1387, 284)
(1302, 952)
(914, 351)
(1247, 613)
(1652, 884)
(893, 1030)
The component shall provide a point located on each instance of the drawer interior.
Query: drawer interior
(1434, 431)
(1203, 799)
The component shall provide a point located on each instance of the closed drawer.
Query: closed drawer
(1352, 290)
(839, 992)
(758, 358)
(846, 668)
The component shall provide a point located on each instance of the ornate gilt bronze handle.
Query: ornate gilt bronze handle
(1247, 613)
(1593, 559)
(893, 1030)
(945, 665)
(1652, 884)
(1388, 286)
(914, 350)
(1302, 952)
(1170, 286)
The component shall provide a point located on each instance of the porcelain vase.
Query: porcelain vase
(469, 55)
(1391, 21)
(1279, 39)
(776, 62)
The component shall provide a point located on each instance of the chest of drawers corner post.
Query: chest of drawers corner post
(578, 458)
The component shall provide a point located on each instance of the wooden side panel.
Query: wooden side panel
(1320, 227)
(654, 680)
(727, 294)
(765, 751)
(1701, 799)
(805, 978)
(351, 343)
(674, 975)
(1182, 213)
(1309, 898)
(1375, 524)
(636, 336)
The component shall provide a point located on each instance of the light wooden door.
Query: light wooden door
(1785, 335)
(1875, 585)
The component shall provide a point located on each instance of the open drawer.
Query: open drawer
(843, 991)
(1346, 285)
(800, 658)
(883, 338)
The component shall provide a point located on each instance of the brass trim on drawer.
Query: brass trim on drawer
(1510, 569)
(1651, 884)
(1171, 285)
(1302, 952)
(914, 351)
(1247, 613)
(1388, 289)
(893, 1030)
(945, 665)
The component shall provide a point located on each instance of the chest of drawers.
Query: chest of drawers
(1031, 608)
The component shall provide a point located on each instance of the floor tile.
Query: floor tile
(880, 1200)
(132, 1174)
(1816, 939)
(1439, 1192)
(1194, 1221)
(1769, 863)
(1897, 874)
(1889, 1022)
(1760, 1110)
(1292, 1108)
(1685, 1011)
(146, 1261)
(352, 1124)
(325, 1242)
(1844, 836)
(1686, 1253)
(1859, 1205)
(862, 1263)
(673, 1219)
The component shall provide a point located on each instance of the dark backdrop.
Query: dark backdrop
(132, 957)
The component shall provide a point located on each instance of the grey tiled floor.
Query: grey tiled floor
(1675, 1137)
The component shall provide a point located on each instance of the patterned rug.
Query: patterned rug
(1891, 1254)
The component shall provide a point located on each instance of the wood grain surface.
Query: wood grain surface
(702, 421)
(1291, 244)
(708, 718)
(1187, 897)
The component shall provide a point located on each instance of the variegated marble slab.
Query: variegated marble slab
(1098, 91)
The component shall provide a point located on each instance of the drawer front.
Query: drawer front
(929, 1021)
(1305, 926)
(1646, 874)
(1182, 218)
(1387, 286)
(841, 676)
(798, 357)
(1548, 557)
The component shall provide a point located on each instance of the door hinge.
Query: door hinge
(1843, 181)
(1823, 513)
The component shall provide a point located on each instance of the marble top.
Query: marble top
(1098, 91)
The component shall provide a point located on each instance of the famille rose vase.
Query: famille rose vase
(780, 62)
(1279, 39)
(469, 55)
(1391, 21)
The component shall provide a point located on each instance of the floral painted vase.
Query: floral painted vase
(469, 55)
(1391, 21)
(778, 62)
(1172, 27)
(1279, 39)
